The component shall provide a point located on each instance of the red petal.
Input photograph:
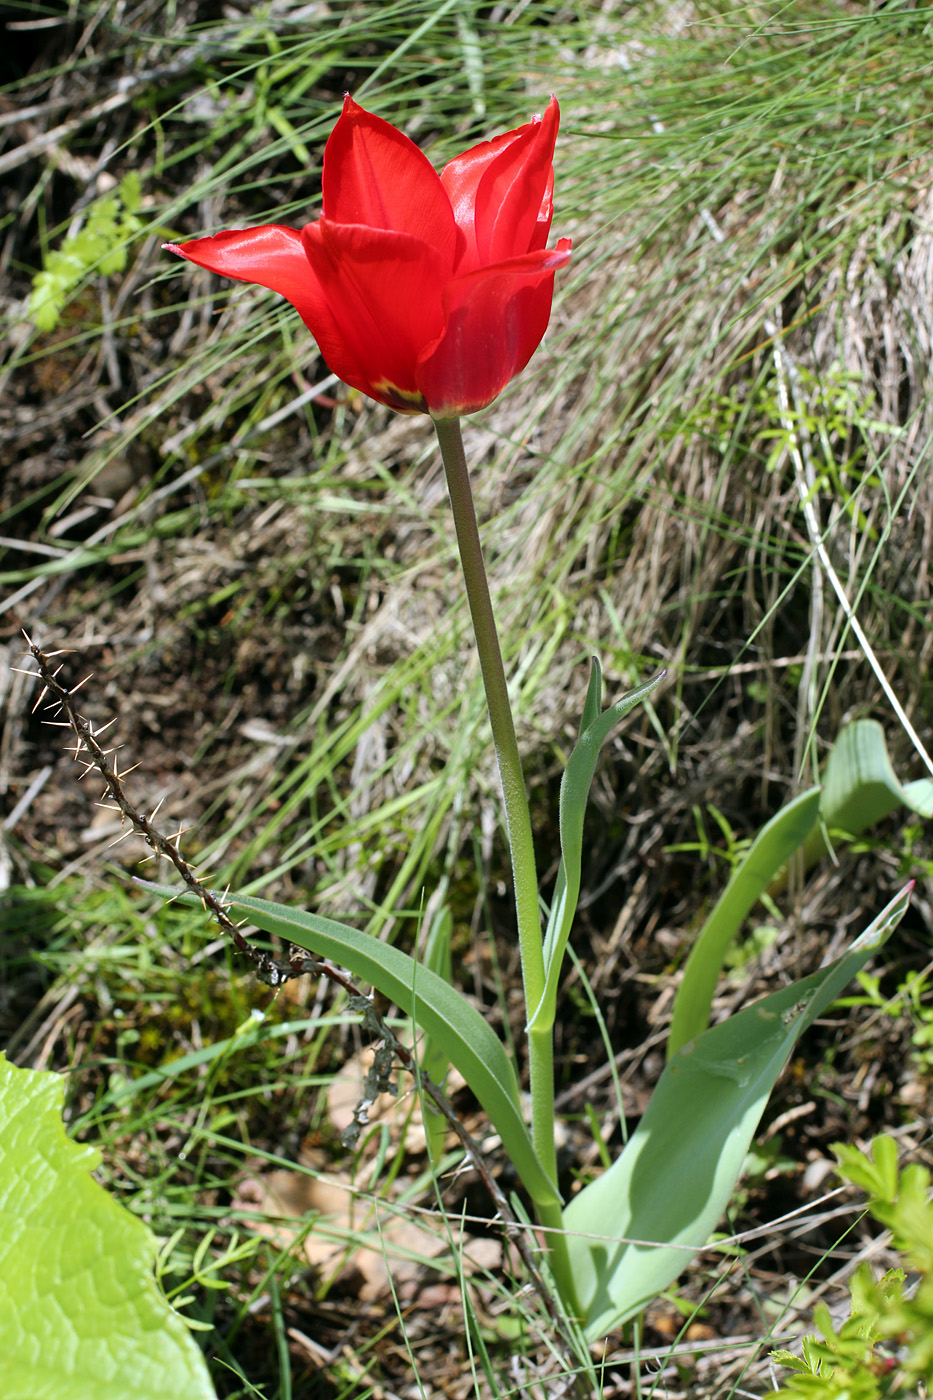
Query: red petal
(501, 191)
(375, 176)
(384, 292)
(273, 256)
(495, 319)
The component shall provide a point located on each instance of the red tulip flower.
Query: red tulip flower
(427, 292)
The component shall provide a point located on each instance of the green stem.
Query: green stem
(517, 819)
(517, 822)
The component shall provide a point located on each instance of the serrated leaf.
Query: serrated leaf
(131, 191)
(632, 1230)
(45, 301)
(81, 1315)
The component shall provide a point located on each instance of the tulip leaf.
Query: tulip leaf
(770, 850)
(454, 1023)
(860, 787)
(633, 1230)
(574, 792)
(81, 1314)
(432, 1058)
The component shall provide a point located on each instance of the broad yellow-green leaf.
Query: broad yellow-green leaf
(81, 1314)
(632, 1230)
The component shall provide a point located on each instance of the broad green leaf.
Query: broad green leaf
(918, 796)
(444, 1013)
(574, 792)
(633, 1230)
(860, 787)
(768, 853)
(81, 1314)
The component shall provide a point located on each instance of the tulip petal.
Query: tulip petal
(501, 192)
(495, 319)
(374, 175)
(384, 291)
(272, 256)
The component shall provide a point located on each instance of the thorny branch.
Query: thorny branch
(268, 970)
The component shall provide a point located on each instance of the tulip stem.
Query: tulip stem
(517, 822)
(517, 818)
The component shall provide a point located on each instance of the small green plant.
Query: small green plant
(885, 1345)
(99, 244)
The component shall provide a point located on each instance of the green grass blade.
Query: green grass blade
(768, 853)
(632, 1230)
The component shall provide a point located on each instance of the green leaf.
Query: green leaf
(46, 301)
(768, 853)
(433, 1059)
(454, 1023)
(860, 787)
(632, 1230)
(574, 792)
(131, 191)
(81, 1315)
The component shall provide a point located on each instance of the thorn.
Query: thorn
(157, 806)
(108, 806)
(174, 840)
(106, 725)
(75, 688)
(122, 837)
(42, 694)
(20, 672)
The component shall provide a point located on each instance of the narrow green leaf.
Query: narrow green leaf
(433, 1059)
(633, 1230)
(81, 1314)
(574, 792)
(768, 853)
(442, 1011)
